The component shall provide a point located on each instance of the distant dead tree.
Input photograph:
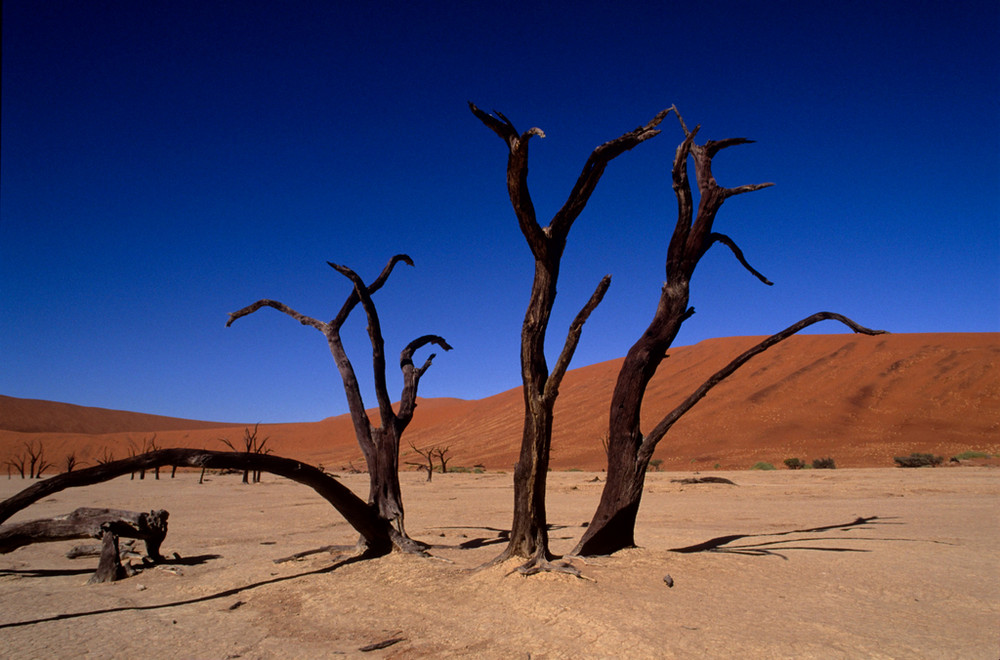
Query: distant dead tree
(33, 458)
(529, 529)
(379, 444)
(428, 456)
(629, 450)
(251, 445)
(71, 462)
(440, 452)
(148, 445)
(106, 456)
(18, 462)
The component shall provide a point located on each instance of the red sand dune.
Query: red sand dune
(861, 400)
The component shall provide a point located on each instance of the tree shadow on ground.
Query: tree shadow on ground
(193, 560)
(501, 536)
(201, 599)
(46, 572)
(723, 544)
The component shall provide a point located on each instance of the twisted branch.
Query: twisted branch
(572, 339)
(650, 441)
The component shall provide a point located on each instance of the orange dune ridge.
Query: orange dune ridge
(860, 400)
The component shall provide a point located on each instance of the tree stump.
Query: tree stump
(110, 568)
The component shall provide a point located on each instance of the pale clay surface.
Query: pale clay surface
(921, 582)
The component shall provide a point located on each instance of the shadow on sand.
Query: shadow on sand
(221, 594)
(771, 548)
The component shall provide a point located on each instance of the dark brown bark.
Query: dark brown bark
(379, 536)
(251, 445)
(529, 534)
(428, 455)
(379, 444)
(109, 567)
(629, 451)
(87, 522)
(440, 452)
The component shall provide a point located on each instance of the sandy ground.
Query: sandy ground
(921, 581)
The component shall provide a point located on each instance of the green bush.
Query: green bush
(794, 464)
(824, 464)
(761, 465)
(654, 463)
(918, 460)
(966, 455)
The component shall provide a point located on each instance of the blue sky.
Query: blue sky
(166, 163)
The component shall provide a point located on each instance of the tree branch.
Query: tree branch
(594, 168)
(572, 339)
(353, 299)
(517, 176)
(728, 242)
(377, 342)
(412, 375)
(750, 187)
(650, 441)
(362, 517)
(281, 307)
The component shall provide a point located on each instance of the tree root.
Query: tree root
(541, 562)
(538, 564)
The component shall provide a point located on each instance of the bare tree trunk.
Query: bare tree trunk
(379, 444)
(428, 455)
(629, 451)
(440, 452)
(529, 535)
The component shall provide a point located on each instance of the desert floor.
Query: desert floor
(920, 581)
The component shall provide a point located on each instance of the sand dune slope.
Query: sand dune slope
(861, 400)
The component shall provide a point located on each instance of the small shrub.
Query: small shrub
(824, 464)
(794, 464)
(969, 454)
(918, 460)
(761, 465)
(655, 463)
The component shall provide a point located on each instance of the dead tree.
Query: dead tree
(428, 456)
(529, 533)
(107, 456)
(71, 462)
(19, 462)
(35, 458)
(251, 445)
(148, 445)
(379, 444)
(379, 536)
(629, 450)
(440, 453)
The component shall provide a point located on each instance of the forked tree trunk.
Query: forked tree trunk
(529, 534)
(629, 451)
(379, 444)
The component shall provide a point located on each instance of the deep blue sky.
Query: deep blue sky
(166, 163)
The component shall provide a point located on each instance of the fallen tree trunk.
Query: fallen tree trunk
(378, 534)
(86, 523)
